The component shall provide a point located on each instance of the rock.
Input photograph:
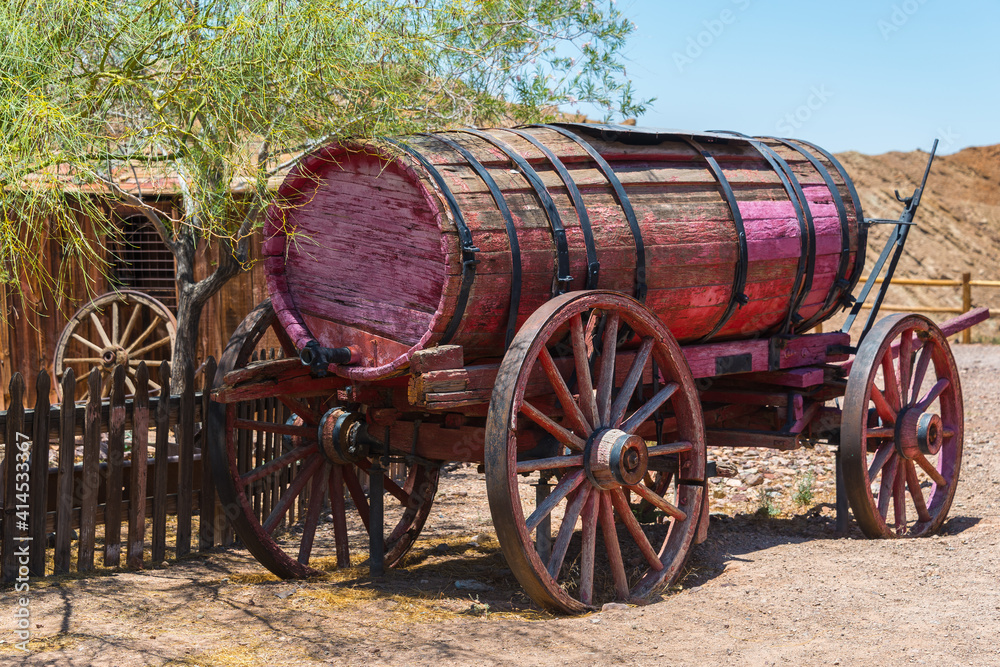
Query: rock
(734, 483)
(612, 606)
(755, 480)
(285, 594)
(719, 493)
(738, 498)
(472, 585)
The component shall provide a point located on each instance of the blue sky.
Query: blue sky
(870, 75)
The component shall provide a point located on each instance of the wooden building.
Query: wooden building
(138, 260)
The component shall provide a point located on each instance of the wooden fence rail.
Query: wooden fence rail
(97, 482)
(966, 284)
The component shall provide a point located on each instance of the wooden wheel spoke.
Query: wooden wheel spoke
(316, 495)
(114, 322)
(357, 495)
(291, 493)
(670, 448)
(891, 382)
(931, 471)
(923, 362)
(899, 497)
(299, 408)
(145, 334)
(569, 405)
(881, 457)
(588, 549)
(885, 410)
(133, 318)
(649, 407)
(634, 529)
(913, 484)
(588, 403)
(935, 391)
(83, 360)
(129, 384)
(631, 381)
(564, 436)
(286, 459)
(566, 529)
(550, 463)
(339, 511)
(905, 364)
(606, 380)
(610, 533)
(565, 486)
(280, 429)
(659, 502)
(152, 346)
(880, 432)
(885, 488)
(86, 342)
(100, 330)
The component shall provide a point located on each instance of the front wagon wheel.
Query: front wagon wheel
(587, 385)
(901, 429)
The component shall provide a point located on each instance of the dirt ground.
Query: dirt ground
(762, 590)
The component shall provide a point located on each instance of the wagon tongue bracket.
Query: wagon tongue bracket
(894, 245)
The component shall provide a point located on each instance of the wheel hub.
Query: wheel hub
(918, 433)
(114, 355)
(613, 457)
(340, 436)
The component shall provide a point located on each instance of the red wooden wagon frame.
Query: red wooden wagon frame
(584, 310)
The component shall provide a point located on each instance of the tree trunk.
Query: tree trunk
(190, 305)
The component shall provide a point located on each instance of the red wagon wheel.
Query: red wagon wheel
(901, 429)
(284, 496)
(596, 455)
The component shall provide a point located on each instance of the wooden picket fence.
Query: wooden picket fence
(95, 485)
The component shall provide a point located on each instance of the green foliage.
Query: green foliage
(804, 490)
(223, 94)
(765, 504)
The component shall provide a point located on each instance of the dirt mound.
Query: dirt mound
(958, 225)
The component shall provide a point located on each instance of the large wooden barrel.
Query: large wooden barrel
(457, 237)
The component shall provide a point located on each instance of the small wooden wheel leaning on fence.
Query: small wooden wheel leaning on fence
(296, 504)
(594, 410)
(901, 429)
(118, 328)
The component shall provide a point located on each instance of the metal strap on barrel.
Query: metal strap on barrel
(593, 265)
(622, 197)
(807, 229)
(469, 249)
(841, 281)
(515, 248)
(859, 256)
(563, 278)
(738, 296)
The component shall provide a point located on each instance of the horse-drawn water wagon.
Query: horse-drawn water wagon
(583, 309)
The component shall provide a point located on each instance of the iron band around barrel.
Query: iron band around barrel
(469, 249)
(622, 197)
(515, 247)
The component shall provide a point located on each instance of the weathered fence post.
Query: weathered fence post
(64, 482)
(967, 304)
(158, 549)
(116, 458)
(185, 464)
(206, 502)
(39, 474)
(140, 460)
(15, 425)
(90, 481)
